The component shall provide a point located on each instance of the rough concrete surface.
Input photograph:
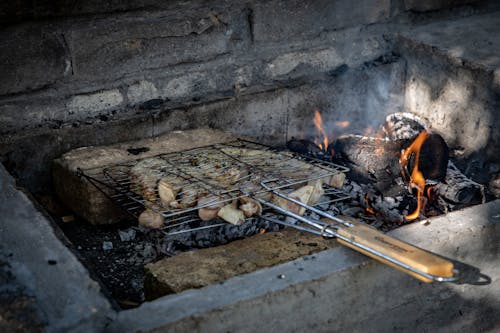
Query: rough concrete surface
(340, 290)
(43, 54)
(153, 40)
(271, 19)
(19, 311)
(452, 81)
(68, 299)
(204, 267)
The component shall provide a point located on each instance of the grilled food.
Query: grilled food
(151, 219)
(230, 213)
(197, 175)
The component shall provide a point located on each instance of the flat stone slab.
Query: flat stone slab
(205, 267)
(89, 202)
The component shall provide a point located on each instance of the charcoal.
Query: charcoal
(127, 235)
(306, 148)
(137, 151)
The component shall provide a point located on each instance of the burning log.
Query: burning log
(402, 174)
(377, 161)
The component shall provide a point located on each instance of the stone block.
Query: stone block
(89, 202)
(326, 56)
(31, 57)
(142, 91)
(282, 20)
(428, 5)
(130, 44)
(339, 290)
(319, 60)
(200, 268)
(260, 116)
(91, 105)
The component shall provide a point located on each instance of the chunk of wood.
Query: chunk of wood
(302, 194)
(377, 160)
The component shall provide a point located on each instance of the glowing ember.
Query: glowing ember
(342, 124)
(262, 231)
(318, 122)
(417, 180)
(368, 208)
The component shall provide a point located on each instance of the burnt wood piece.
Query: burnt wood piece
(458, 189)
(377, 160)
(434, 157)
(370, 160)
(306, 148)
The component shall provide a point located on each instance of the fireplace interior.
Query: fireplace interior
(390, 105)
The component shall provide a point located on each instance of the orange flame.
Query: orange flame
(318, 122)
(417, 180)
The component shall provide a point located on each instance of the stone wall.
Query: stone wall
(86, 73)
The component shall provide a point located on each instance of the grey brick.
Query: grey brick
(132, 44)
(31, 57)
(283, 20)
(89, 105)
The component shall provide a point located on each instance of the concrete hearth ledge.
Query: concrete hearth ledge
(340, 290)
(67, 298)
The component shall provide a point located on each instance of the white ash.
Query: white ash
(106, 246)
(127, 235)
(402, 125)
